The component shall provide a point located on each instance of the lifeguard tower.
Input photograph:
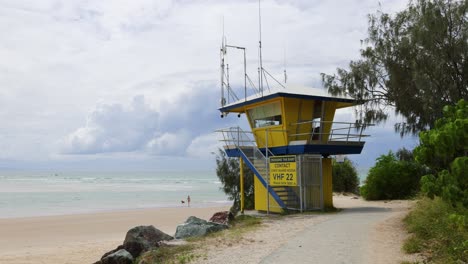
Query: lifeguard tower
(291, 143)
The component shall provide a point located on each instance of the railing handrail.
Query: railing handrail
(239, 137)
(332, 135)
(228, 129)
(317, 133)
(241, 133)
(334, 122)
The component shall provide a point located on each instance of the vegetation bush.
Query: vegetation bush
(440, 220)
(391, 178)
(440, 230)
(444, 150)
(228, 171)
(345, 178)
(451, 185)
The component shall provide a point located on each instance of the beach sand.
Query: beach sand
(83, 238)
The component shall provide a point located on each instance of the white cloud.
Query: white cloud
(138, 127)
(114, 128)
(204, 146)
(168, 144)
(61, 57)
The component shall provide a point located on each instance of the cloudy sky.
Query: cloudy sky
(134, 84)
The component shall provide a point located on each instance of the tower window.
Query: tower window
(266, 115)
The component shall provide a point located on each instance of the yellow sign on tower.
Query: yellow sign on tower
(283, 171)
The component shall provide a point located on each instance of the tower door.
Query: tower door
(311, 182)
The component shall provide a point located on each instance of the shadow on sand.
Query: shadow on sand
(366, 210)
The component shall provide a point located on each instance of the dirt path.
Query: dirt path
(348, 237)
(363, 232)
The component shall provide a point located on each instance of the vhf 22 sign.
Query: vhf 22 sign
(283, 171)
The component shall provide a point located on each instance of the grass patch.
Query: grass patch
(241, 225)
(169, 254)
(440, 231)
(246, 221)
(412, 245)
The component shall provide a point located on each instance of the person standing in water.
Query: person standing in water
(188, 201)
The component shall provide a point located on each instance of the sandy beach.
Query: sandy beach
(82, 238)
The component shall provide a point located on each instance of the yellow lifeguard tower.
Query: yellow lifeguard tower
(291, 141)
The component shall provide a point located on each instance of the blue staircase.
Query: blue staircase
(288, 196)
(260, 176)
(239, 144)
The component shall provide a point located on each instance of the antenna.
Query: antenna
(222, 54)
(284, 64)
(260, 71)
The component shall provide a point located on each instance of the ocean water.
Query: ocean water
(24, 194)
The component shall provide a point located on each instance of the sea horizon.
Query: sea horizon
(31, 193)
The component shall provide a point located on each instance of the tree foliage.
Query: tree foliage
(345, 178)
(391, 178)
(228, 173)
(448, 140)
(415, 61)
(444, 150)
(404, 154)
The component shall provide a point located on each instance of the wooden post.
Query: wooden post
(241, 163)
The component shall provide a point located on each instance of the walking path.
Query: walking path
(343, 238)
(362, 232)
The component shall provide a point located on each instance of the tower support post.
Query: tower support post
(242, 198)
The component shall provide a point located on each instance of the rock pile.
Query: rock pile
(194, 227)
(223, 218)
(141, 239)
(137, 241)
(120, 256)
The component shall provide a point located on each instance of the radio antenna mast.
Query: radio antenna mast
(223, 55)
(260, 70)
(284, 65)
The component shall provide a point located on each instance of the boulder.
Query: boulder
(194, 227)
(223, 218)
(143, 238)
(121, 256)
(112, 251)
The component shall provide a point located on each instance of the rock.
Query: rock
(223, 218)
(112, 251)
(121, 256)
(194, 227)
(143, 238)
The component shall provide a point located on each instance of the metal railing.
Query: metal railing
(335, 133)
(235, 136)
(243, 142)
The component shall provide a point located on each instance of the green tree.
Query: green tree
(228, 173)
(391, 178)
(345, 178)
(404, 154)
(415, 61)
(444, 150)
